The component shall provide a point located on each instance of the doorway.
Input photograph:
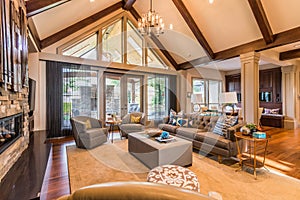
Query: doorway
(123, 94)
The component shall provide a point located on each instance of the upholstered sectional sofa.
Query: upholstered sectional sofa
(201, 131)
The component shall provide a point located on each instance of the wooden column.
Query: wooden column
(250, 86)
(289, 96)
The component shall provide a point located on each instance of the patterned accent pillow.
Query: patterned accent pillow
(274, 111)
(182, 122)
(223, 123)
(174, 121)
(267, 111)
(135, 119)
(172, 115)
(88, 124)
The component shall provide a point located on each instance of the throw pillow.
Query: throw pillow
(267, 111)
(178, 121)
(88, 124)
(174, 122)
(135, 119)
(223, 123)
(172, 115)
(182, 122)
(274, 111)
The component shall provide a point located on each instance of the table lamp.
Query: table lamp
(196, 99)
(228, 99)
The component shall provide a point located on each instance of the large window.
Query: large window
(86, 48)
(210, 90)
(112, 42)
(120, 42)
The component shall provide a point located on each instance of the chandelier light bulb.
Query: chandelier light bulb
(211, 1)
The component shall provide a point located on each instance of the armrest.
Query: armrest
(232, 130)
(80, 126)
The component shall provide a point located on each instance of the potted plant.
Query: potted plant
(248, 129)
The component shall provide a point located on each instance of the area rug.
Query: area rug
(112, 162)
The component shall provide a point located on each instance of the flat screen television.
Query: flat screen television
(31, 95)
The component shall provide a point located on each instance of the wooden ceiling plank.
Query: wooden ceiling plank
(35, 7)
(79, 25)
(193, 26)
(280, 39)
(160, 46)
(288, 55)
(262, 20)
(34, 33)
(128, 4)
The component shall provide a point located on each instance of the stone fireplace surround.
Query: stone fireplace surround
(12, 103)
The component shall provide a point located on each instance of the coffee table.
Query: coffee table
(153, 153)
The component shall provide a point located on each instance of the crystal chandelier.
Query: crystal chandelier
(151, 22)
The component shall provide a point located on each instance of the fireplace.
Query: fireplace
(10, 130)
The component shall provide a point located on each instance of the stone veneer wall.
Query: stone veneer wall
(13, 103)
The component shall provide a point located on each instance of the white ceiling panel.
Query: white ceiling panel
(282, 15)
(60, 17)
(224, 24)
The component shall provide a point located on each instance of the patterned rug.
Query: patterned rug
(111, 162)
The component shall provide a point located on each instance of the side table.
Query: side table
(112, 124)
(249, 149)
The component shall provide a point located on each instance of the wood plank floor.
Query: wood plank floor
(283, 155)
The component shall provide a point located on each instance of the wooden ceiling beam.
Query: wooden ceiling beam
(79, 25)
(34, 33)
(159, 45)
(262, 20)
(288, 55)
(193, 63)
(283, 38)
(193, 26)
(128, 4)
(34, 7)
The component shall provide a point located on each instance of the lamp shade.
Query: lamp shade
(228, 97)
(196, 98)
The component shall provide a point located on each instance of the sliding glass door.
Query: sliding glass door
(123, 94)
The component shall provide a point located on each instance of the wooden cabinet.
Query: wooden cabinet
(269, 87)
(233, 84)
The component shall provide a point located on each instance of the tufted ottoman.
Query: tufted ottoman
(174, 175)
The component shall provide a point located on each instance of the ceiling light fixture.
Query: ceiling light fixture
(92, 1)
(211, 1)
(151, 22)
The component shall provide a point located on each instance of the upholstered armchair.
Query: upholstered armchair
(132, 122)
(88, 132)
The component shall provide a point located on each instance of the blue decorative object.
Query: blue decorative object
(260, 135)
(164, 135)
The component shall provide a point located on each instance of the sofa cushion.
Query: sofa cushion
(213, 139)
(94, 132)
(168, 127)
(224, 122)
(188, 133)
(131, 127)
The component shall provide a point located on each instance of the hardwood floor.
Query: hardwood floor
(283, 155)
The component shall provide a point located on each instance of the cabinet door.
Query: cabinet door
(265, 80)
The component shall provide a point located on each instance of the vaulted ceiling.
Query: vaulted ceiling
(202, 31)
